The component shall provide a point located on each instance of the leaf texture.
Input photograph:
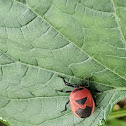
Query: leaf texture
(40, 40)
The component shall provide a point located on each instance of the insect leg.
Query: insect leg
(63, 91)
(66, 83)
(66, 106)
(88, 82)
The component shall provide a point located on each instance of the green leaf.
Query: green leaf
(40, 40)
(22, 1)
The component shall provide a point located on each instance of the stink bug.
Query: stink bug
(81, 100)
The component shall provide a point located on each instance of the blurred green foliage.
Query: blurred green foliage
(115, 122)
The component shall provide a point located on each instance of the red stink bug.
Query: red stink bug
(81, 100)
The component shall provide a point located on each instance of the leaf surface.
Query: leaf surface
(40, 40)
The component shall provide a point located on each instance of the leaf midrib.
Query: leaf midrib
(74, 43)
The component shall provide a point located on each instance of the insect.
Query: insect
(81, 101)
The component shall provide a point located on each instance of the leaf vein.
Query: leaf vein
(117, 21)
(77, 46)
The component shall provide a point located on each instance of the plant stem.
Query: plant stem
(117, 114)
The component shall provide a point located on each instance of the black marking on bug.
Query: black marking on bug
(78, 89)
(81, 101)
(83, 113)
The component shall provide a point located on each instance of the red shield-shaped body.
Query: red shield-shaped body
(81, 102)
